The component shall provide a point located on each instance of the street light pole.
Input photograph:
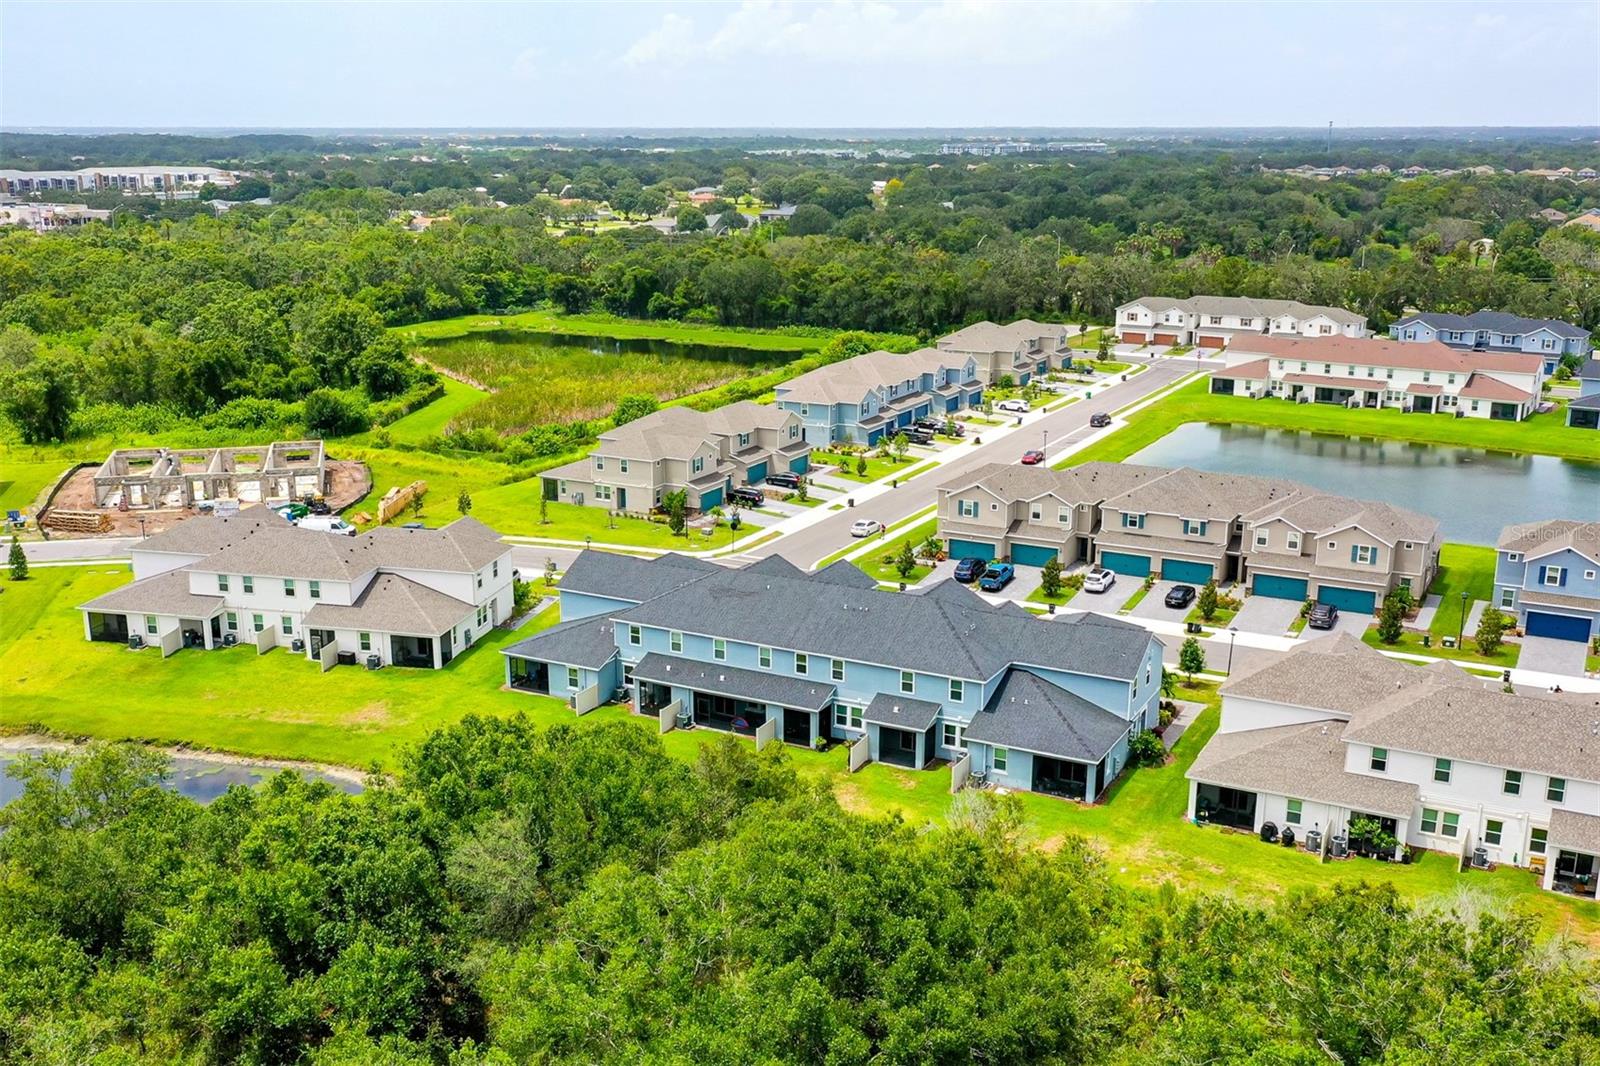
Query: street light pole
(1461, 629)
(1233, 633)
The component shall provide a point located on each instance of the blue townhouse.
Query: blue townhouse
(1584, 412)
(1496, 331)
(862, 399)
(1548, 575)
(1048, 706)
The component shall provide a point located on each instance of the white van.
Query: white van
(327, 523)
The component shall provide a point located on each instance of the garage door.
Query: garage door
(756, 474)
(1032, 554)
(971, 549)
(1184, 570)
(1360, 601)
(1279, 588)
(710, 499)
(1213, 342)
(1133, 338)
(800, 464)
(1126, 563)
(1559, 626)
(1166, 338)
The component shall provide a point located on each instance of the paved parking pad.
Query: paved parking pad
(1551, 656)
(1264, 614)
(1154, 606)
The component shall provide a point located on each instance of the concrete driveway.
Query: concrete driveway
(1154, 606)
(1550, 656)
(1264, 614)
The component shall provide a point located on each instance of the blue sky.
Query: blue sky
(758, 63)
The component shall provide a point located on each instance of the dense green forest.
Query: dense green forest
(246, 318)
(577, 895)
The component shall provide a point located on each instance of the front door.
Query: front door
(622, 498)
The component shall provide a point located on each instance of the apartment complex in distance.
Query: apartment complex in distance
(1426, 378)
(160, 180)
(1281, 538)
(47, 218)
(1217, 321)
(703, 453)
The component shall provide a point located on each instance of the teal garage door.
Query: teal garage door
(1358, 600)
(757, 474)
(1032, 554)
(1182, 570)
(1280, 588)
(711, 498)
(971, 549)
(1126, 563)
(800, 464)
(1558, 626)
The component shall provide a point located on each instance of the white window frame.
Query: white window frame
(908, 683)
(802, 663)
(954, 736)
(836, 669)
(1294, 810)
(957, 690)
(719, 649)
(847, 716)
(764, 657)
(675, 640)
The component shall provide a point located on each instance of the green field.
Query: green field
(598, 325)
(435, 418)
(281, 706)
(1465, 568)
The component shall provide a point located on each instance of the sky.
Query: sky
(770, 63)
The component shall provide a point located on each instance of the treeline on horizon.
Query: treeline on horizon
(172, 309)
(576, 895)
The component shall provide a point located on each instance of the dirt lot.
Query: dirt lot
(348, 481)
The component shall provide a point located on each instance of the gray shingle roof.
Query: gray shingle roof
(1029, 713)
(1538, 539)
(758, 686)
(1338, 674)
(1087, 483)
(589, 642)
(393, 604)
(925, 633)
(464, 546)
(202, 535)
(1494, 321)
(1300, 761)
(846, 574)
(1575, 831)
(1590, 370)
(628, 577)
(166, 593)
(991, 337)
(848, 380)
(900, 712)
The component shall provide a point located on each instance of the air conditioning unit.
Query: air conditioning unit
(229, 639)
(577, 498)
(135, 641)
(374, 661)
(297, 644)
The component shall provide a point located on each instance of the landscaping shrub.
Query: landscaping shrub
(1146, 749)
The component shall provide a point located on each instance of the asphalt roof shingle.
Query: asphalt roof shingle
(630, 578)
(392, 604)
(165, 594)
(1304, 761)
(588, 642)
(1031, 714)
(757, 686)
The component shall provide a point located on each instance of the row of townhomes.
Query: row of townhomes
(1217, 321)
(1280, 538)
(1422, 377)
(1337, 731)
(866, 397)
(1584, 412)
(1021, 350)
(401, 597)
(1495, 331)
(933, 675)
(703, 453)
(1548, 575)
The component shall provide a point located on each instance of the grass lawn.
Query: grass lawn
(1410, 640)
(1089, 339)
(877, 466)
(281, 706)
(1220, 618)
(432, 420)
(872, 562)
(1063, 597)
(23, 481)
(1133, 601)
(1465, 568)
(1541, 434)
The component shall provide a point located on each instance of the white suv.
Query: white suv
(1015, 406)
(1099, 580)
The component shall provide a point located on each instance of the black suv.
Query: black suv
(1100, 421)
(784, 480)
(928, 425)
(1180, 596)
(1322, 616)
(918, 436)
(747, 496)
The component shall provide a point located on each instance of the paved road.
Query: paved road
(1065, 427)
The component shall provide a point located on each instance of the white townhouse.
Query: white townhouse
(1216, 321)
(1336, 731)
(1426, 378)
(402, 597)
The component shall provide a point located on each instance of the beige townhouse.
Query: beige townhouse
(1021, 350)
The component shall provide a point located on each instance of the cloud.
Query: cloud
(983, 32)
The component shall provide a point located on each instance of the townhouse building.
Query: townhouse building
(939, 675)
(1495, 331)
(1425, 378)
(160, 178)
(48, 218)
(866, 397)
(1335, 731)
(1218, 321)
(1279, 538)
(1584, 412)
(400, 597)
(1547, 574)
(1021, 350)
(703, 453)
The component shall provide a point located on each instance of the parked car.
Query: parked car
(997, 577)
(953, 429)
(1099, 580)
(747, 496)
(1100, 421)
(1180, 595)
(865, 527)
(784, 480)
(1032, 457)
(1016, 405)
(324, 523)
(1323, 616)
(969, 570)
(928, 425)
(918, 436)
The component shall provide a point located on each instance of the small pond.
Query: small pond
(1472, 492)
(527, 338)
(200, 779)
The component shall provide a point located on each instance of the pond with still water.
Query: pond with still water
(200, 779)
(1472, 492)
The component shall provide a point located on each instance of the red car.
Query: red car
(1032, 457)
